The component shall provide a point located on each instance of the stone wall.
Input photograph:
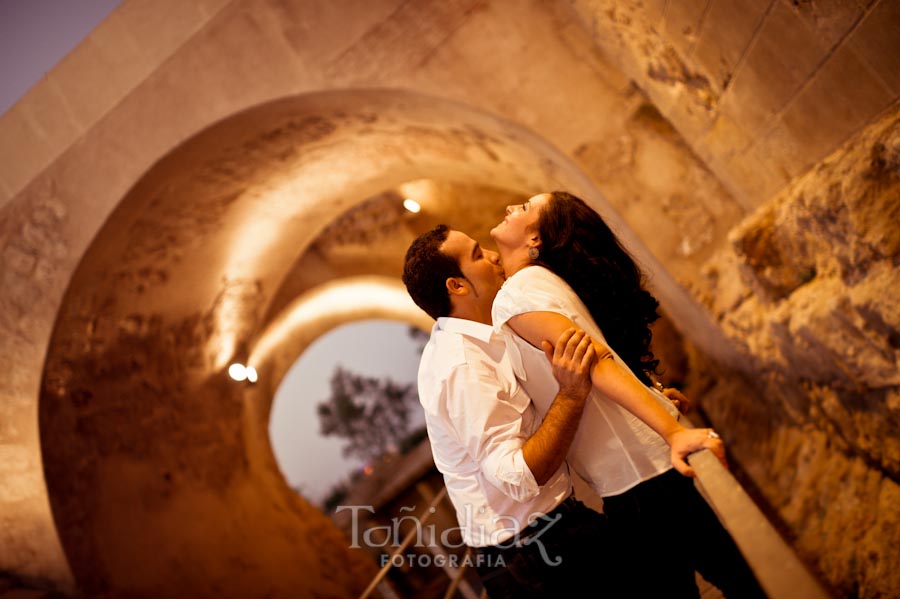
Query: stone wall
(807, 290)
(518, 95)
(761, 90)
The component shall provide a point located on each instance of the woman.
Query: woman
(565, 268)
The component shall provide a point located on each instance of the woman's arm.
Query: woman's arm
(622, 387)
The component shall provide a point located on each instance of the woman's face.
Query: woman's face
(519, 228)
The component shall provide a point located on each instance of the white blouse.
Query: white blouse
(613, 450)
(478, 418)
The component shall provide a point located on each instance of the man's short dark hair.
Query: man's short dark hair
(426, 270)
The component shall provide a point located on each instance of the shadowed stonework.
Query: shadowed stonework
(216, 181)
(807, 290)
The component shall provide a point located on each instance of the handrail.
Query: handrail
(455, 574)
(404, 544)
(776, 566)
(774, 563)
(454, 583)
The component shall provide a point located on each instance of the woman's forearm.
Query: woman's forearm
(620, 386)
(607, 375)
(616, 383)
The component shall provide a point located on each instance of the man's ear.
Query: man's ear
(455, 286)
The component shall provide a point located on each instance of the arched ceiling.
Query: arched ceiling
(225, 215)
(279, 148)
(209, 257)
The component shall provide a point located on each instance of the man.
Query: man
(503, 467)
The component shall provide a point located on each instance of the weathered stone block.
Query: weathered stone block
(727, 31)
(843, 93)
(830, 20)
(875, 41)
(781, 59)
(821, 335)
(18, 259)
(775, 262)
(682, 25)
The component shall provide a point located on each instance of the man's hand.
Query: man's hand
(572, 359)
(689, 440)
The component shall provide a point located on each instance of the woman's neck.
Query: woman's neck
(514, 260)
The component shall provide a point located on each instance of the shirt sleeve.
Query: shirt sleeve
(489, 424)
(528, 291)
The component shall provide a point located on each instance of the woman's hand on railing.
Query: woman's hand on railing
(690, 440)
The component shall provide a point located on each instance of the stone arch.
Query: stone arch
(309, 317)
(159, 477)
(324, 308)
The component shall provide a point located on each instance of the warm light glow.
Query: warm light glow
(411, 205)
(321, 309)
(251, 374)
(238, 372)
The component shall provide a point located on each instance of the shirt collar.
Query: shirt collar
(470, 328)
(483, 332)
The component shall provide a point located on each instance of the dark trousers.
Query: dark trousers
(554, 558)
(669, 532)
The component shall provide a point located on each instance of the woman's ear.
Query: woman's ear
(534, 241)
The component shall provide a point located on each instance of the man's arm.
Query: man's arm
(489, 425)
(625, 389)
(572, 359)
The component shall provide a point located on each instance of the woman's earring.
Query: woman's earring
(533, 253)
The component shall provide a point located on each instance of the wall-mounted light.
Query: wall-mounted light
(412, 205)
(239, 372)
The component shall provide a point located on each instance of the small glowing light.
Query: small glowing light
(412, 205)
(368, 470)
(238, 372)
(251, 374)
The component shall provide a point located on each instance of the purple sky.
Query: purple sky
(37, 34)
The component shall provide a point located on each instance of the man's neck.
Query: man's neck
(475, 312)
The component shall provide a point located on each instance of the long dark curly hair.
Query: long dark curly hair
(578, 245)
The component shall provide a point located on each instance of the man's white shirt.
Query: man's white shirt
(478, 418)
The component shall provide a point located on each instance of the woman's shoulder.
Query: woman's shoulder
(530, 289)
(534, 274)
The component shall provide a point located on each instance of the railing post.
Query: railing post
(775, 564)
(454, 583)
(426, 514)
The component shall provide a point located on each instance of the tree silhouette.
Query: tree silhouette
(419, 337)
(372, 414)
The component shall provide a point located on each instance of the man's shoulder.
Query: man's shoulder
(444, 351)
(453, 355)
(446, 354)
(448, 350)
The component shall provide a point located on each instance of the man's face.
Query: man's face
(479, 266)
